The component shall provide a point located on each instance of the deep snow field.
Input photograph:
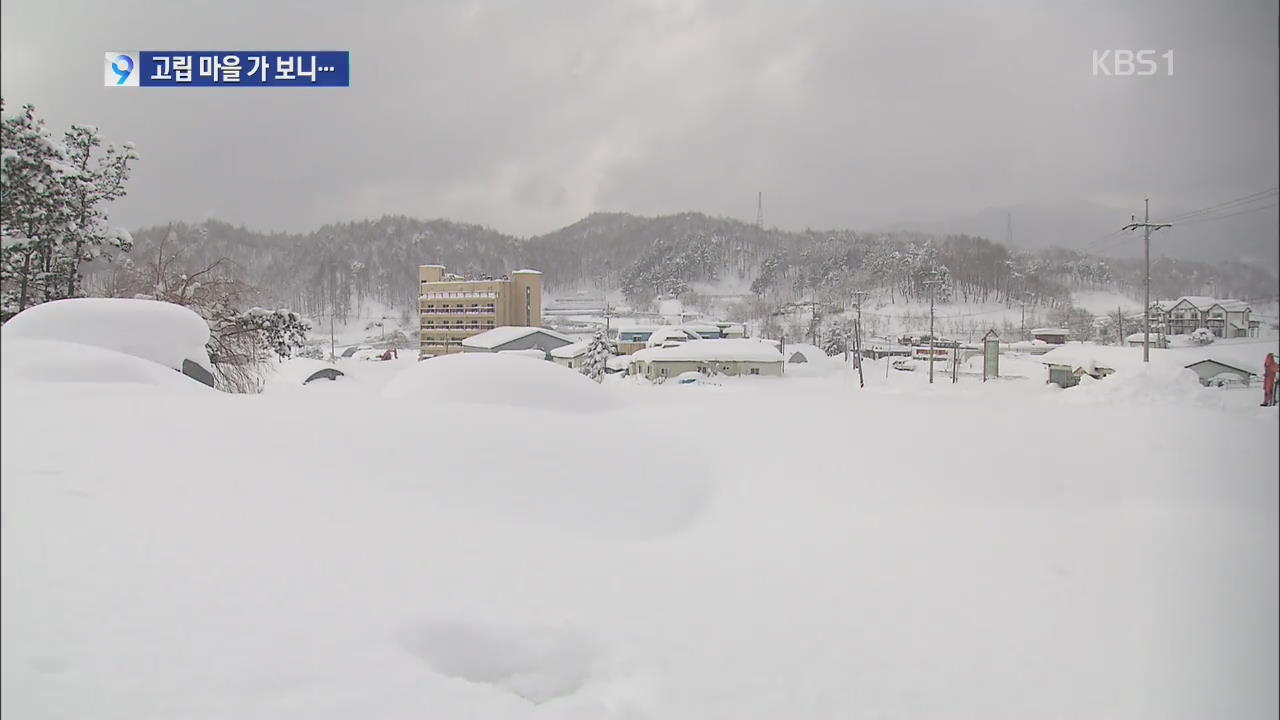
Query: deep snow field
(415, 541)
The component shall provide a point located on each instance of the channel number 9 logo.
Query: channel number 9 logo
(121, 69)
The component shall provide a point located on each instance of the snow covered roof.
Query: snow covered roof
(1137, 337)
(1246, 355)
(527, 271)
(699, 327)
(1233, 305)
(1220, 364)
(618, 362)
(810, 353)
(670, 333)
(150, 329)
(713, 350)
(500, 336)
(1050, 331)
(571, 351)
(1081, 355)
(1200, 302)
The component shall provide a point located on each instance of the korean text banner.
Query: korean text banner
(228, 68)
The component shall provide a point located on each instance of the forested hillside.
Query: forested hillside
(342, 267)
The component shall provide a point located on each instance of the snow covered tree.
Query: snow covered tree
(836, 341)
(280, 331)
(32, 213)
(597, 357)
(88, 188)
(52, 209)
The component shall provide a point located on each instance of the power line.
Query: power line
(1223, 217)
(1227, 204)
(1093, 246)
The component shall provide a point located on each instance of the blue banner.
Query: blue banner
(229, 68)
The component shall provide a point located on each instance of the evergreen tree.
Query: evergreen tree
(52, 209)
(597, 357)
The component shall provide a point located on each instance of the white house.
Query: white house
(571, 356)
(1213, 372)
(1224, 318)
(671, 334)
(512, 337)
(723, 357)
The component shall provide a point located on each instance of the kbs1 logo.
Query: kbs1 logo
(1131, 62)
(227, 68)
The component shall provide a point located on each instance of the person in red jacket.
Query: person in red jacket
(1269, 380)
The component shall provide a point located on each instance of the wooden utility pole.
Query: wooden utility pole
(933, 284)
(1147, 227)
(857, 327)
(857, 299)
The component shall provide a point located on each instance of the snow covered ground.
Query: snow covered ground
(390, 545)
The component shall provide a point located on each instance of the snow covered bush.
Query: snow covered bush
(1202, 336)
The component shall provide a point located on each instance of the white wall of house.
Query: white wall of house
(655, 369)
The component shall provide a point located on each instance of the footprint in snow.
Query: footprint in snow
(538, 663)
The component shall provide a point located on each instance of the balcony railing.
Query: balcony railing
(458, 311)
(446, 295)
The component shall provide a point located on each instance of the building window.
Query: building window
(755, 371)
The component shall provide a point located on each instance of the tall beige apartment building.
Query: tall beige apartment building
(451, 309)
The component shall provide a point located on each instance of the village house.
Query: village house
(1051, 336)
(633, 339)
(571, 356)
(1068, 363)
(673, 334)
(1224, 318)
(723, 357)
(507, 338)
(1215, 372)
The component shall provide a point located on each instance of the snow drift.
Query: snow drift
(53, 362)
(500, 379)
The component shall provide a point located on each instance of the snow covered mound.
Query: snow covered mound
(296, 372)
(804, 359)
(149, 329)
(500, 379)
(50, 361)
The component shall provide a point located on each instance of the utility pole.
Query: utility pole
(1147, 227)
(933, 284)
(857, 326)
(332, 352)
(760, 211)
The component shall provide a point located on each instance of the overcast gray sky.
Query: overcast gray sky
(527, 116)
